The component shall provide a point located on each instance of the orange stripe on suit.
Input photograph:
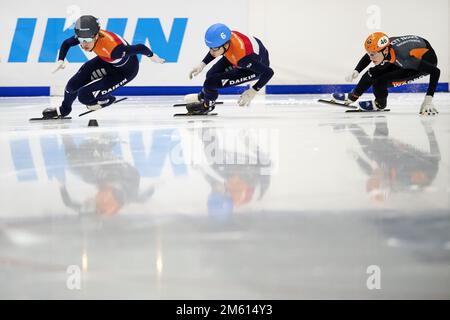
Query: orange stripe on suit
(105, 45)
(418, 53)
(240, 47)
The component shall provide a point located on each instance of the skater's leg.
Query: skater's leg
(100, 91)
(220, 67)
(229, 78)
(392, 79)
(91, 70)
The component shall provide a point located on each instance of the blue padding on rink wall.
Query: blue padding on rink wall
(24, 91)
(330, 88)
(181, 90)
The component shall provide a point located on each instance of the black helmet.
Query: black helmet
(87, 27)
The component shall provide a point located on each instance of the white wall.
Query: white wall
(310, 42)
(316, 42)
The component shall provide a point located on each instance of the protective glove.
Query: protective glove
(157, 59)
(246, 97)
(352, 76)
(427, 107)
(60, 64)
(196, 71)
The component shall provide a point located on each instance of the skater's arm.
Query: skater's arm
(122, 51)
(264, 72)
(364, 165)
(434, 73)
(208, 58)
(67, 200)
(363, 63)
(66, 45)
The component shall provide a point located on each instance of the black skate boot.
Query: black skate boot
(53, 114)
(199, 108)
(50, 113)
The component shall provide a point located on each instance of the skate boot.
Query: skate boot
(192, 98)
(50, 113)
(200, 108)
(371, 105)
(106, 101)
(345, 98)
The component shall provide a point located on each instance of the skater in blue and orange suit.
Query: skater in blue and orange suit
(116, 65)
(244, 58)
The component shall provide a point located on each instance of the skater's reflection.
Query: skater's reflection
(234, 176)
(394, 166)
(117, 182)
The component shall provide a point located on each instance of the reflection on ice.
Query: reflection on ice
(392, 165)
(285, 199)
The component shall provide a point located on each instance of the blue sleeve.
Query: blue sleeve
(265, 73)
(122, 51)
(66, 45)
(208, 58)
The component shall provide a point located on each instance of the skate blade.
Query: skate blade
(117, 101)
(194, 115)
(47, 119)
(333, 102)
(359, 110)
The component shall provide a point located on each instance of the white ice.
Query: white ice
(288, 198)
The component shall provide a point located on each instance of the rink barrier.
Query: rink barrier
(181, 90)
(331, 88)
(24, 91)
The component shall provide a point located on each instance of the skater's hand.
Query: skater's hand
(352, 76)
(246, 97)
(196, 71)
(427, 107)
(157, 59)
(60, 64)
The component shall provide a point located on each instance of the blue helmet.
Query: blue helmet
(217, 35)
(220, 206)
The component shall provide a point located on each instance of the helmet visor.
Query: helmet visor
(85, 39)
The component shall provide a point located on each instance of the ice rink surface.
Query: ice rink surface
(286, 199)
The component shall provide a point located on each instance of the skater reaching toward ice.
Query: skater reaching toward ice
(398, 61)
(234, 184)
(117, 183)
(244, 59)
(116, 65)
(392, 165)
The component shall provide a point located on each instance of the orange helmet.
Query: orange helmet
(108, 201)
(240, 191)
(376, 42)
